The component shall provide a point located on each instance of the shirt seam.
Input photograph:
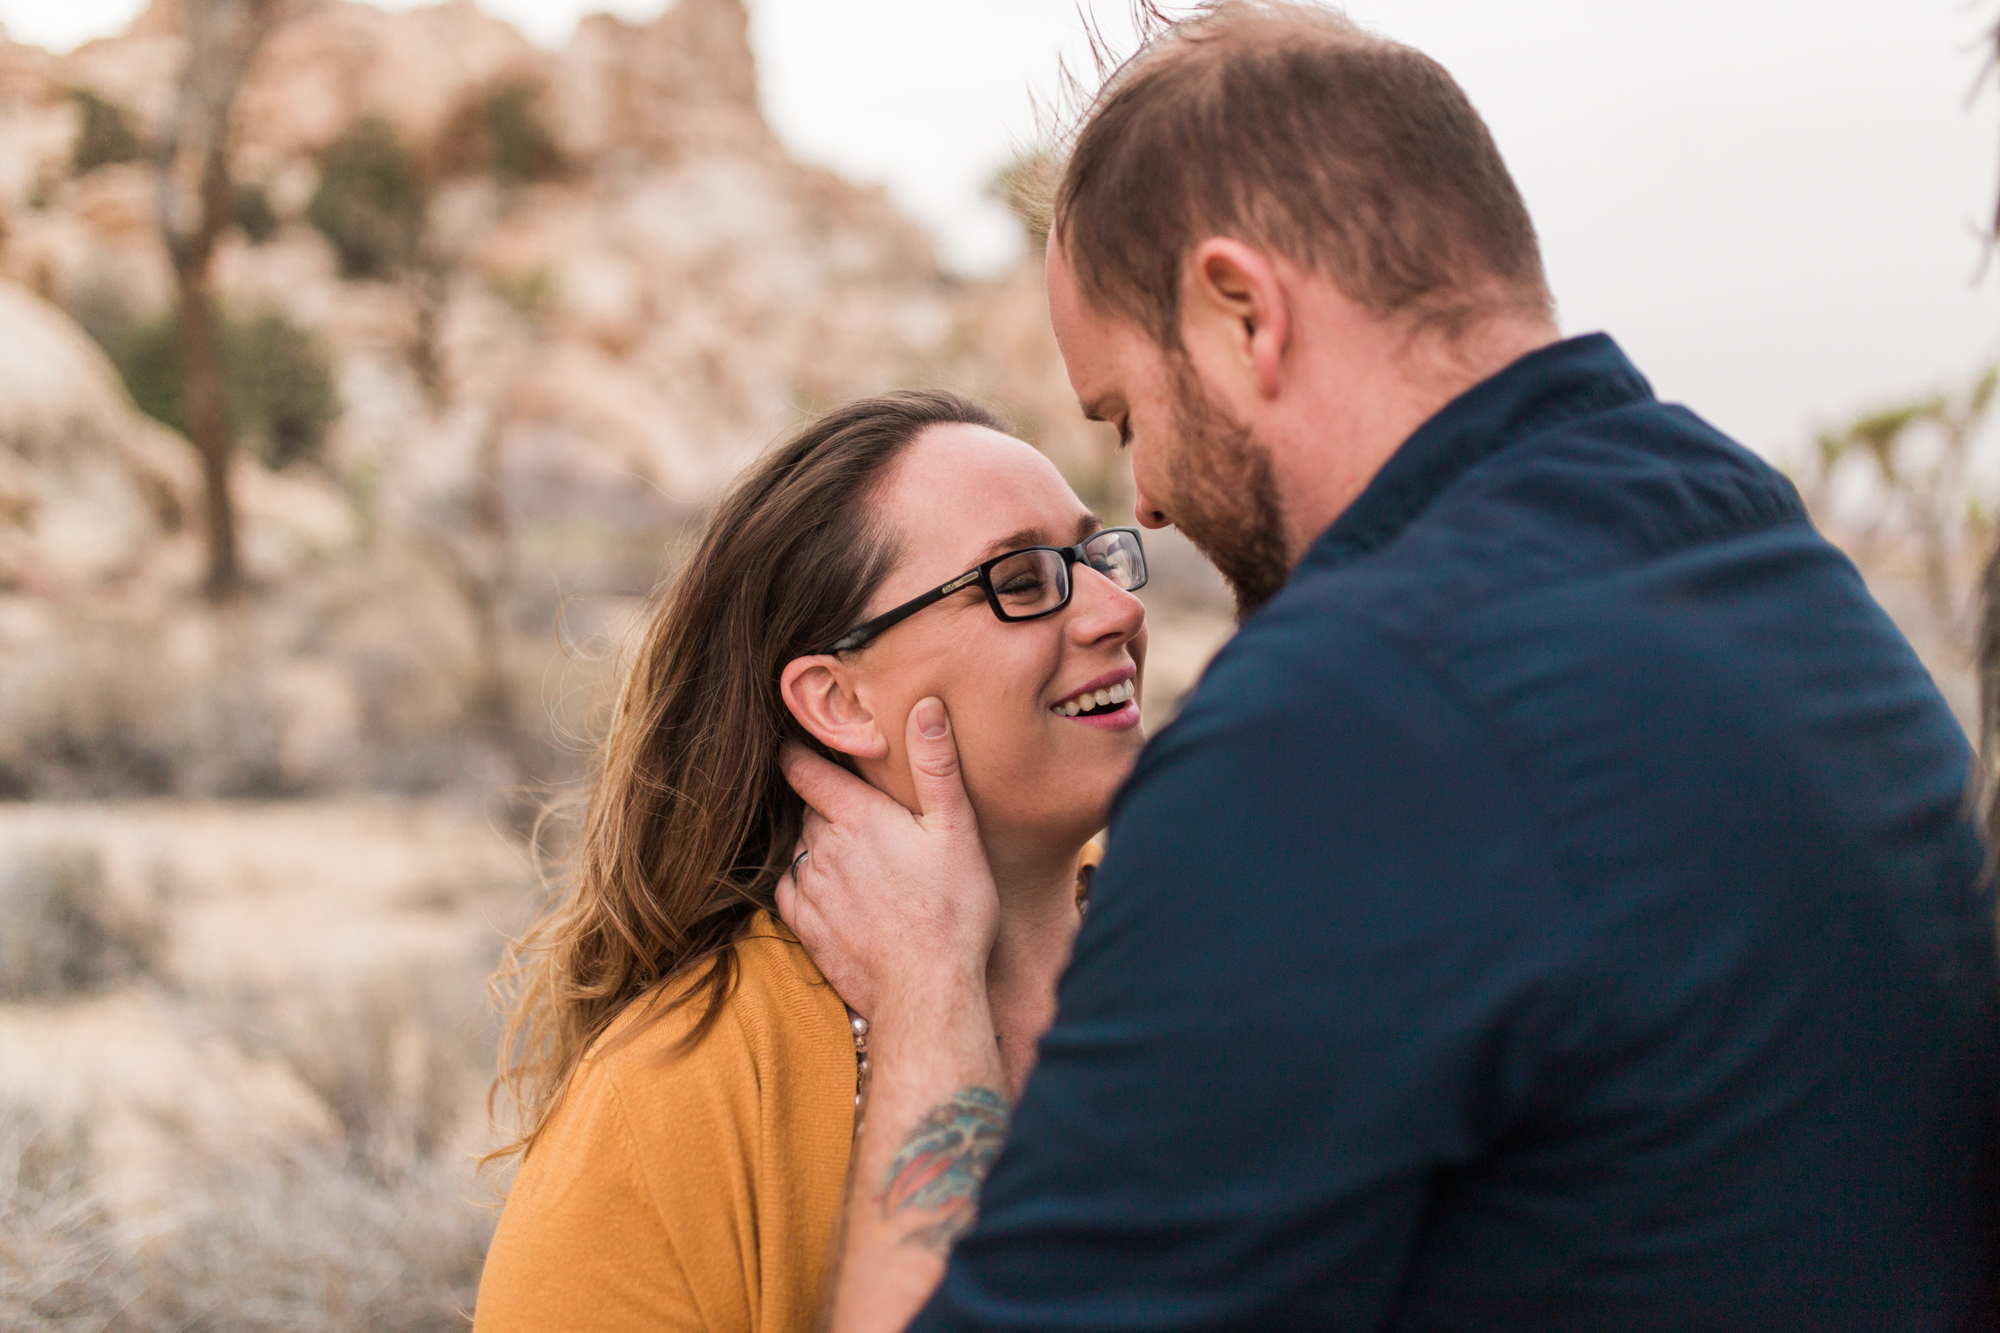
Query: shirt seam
(1767, 512)
(1600, 395)
(628, 1142)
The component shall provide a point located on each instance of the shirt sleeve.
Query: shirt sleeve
(583, 1243)
(1297, 1001)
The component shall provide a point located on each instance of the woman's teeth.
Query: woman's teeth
(1104, 698)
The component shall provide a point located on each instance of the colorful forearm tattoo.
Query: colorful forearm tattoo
(943, 1163)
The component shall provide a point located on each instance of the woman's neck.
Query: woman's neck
(1038, 922)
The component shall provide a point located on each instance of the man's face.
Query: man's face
(1196, 467)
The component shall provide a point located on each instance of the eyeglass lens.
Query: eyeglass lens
(1118, 557)
(1030, 583)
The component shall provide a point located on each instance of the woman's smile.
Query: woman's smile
(1108, 703)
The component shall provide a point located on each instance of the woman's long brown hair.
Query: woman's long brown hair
(689, 822)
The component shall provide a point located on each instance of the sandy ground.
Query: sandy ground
(269, 907)
(289, 893)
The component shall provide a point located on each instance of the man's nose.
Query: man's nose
(1149, 514)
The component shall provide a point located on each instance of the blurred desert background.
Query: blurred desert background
(490, 323)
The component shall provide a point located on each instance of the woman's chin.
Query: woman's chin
(1094, 782)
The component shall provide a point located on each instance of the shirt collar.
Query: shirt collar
(1566, 379)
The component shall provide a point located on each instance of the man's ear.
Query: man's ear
(1233, 293)
(820, 692)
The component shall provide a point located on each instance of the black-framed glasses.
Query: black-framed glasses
(1026, 584)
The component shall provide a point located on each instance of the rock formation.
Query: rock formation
(555, 377)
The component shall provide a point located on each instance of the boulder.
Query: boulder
(87, 483)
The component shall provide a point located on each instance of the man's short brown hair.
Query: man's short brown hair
(1285, 125)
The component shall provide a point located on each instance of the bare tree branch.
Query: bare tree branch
(195, 203)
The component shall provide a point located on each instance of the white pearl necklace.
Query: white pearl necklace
(859, 1026)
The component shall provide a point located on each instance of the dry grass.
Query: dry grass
(108, 707)
(292, 1241)
(362, 676)
(382, 1226)
(379, 1225)
(399, 1064)
(64, 931)
(59, 1269)
(309, 1241)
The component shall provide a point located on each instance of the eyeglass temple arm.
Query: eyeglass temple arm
(862, 633)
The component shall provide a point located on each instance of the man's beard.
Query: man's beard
(1225, 498)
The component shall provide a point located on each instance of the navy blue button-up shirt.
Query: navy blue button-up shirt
(1557, 909)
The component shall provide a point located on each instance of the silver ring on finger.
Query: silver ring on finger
(798, 862)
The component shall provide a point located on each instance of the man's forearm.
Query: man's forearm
(935, 1118)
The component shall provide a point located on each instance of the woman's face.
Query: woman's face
(958, 496)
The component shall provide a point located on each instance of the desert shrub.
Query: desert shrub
(62, 930)
(296, 1241)
(102, 709)
(371, 200)
(59, 1269)
(104, 137)
(501, 130)
(378, 1229)
(531, 292)
(254, 214)
(396, 1062)
(283, 398)
(147, 355)
(272, 1240)
(80, 719)
(282, 389)
(109, 704)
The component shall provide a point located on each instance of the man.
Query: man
(1554, 910)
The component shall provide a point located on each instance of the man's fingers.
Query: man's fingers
(823, 785)
(787, 896)
(934, 763)
(798, 912)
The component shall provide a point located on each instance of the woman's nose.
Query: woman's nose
(1100, 609)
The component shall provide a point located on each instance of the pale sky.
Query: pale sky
(1772, 204)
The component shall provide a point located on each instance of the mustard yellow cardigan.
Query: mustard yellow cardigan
(700, 1192)
(692, 1192)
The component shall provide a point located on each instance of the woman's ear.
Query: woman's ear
(820, 692)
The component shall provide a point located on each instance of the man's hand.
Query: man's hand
(899, 912)
(894, 908)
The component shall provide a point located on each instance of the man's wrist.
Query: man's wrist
(934, 1016)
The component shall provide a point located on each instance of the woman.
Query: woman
(687, 1080)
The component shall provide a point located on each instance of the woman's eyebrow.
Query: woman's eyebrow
(1086, 524)
(1014, 541)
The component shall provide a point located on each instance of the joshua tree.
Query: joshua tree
(1921, 452)
(196, 203)
(1987, 642)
